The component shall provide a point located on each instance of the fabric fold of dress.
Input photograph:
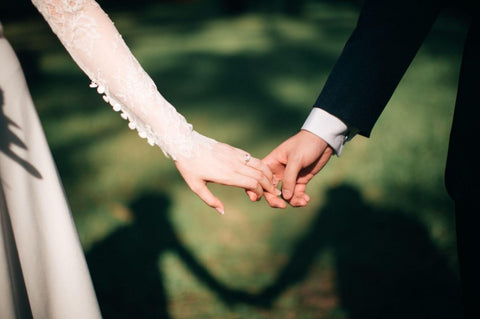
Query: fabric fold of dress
(43, 273)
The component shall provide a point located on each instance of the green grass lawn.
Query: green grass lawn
(378, 234)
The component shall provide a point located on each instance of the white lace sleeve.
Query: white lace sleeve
(95, 45)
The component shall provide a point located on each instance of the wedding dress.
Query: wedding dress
(43, 273)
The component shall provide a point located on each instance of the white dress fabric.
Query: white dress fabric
(43, 273)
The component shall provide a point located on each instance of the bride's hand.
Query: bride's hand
(223, 164)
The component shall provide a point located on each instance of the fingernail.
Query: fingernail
(287, 193)
(278, 192)
(220, 211)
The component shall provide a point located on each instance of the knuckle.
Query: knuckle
(196, 188)
(254, 184)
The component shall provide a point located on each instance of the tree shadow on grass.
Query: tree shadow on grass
(124, 265)
(386, 264)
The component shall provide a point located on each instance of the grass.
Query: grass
(378, 236)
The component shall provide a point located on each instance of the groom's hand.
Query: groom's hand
(295, 162)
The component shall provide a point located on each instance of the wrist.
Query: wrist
(327, 127)
(189, 147)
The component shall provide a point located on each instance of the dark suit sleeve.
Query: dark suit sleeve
(387, 37)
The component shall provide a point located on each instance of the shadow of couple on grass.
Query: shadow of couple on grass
(386, 264)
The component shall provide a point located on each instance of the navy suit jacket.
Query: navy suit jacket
(387, 37)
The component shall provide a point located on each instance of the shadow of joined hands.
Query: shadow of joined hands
(386, 265)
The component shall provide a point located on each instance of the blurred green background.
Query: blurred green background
(377, 240)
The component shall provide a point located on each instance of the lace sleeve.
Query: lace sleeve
(95, 45)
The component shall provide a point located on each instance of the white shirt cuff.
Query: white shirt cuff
(328, 127)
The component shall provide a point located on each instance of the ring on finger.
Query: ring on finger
(247, 158)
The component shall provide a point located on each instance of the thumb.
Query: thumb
(204, 193)
(290, 177)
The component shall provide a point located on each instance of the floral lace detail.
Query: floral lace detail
(99, 50)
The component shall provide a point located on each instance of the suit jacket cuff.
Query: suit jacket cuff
(329, 128)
